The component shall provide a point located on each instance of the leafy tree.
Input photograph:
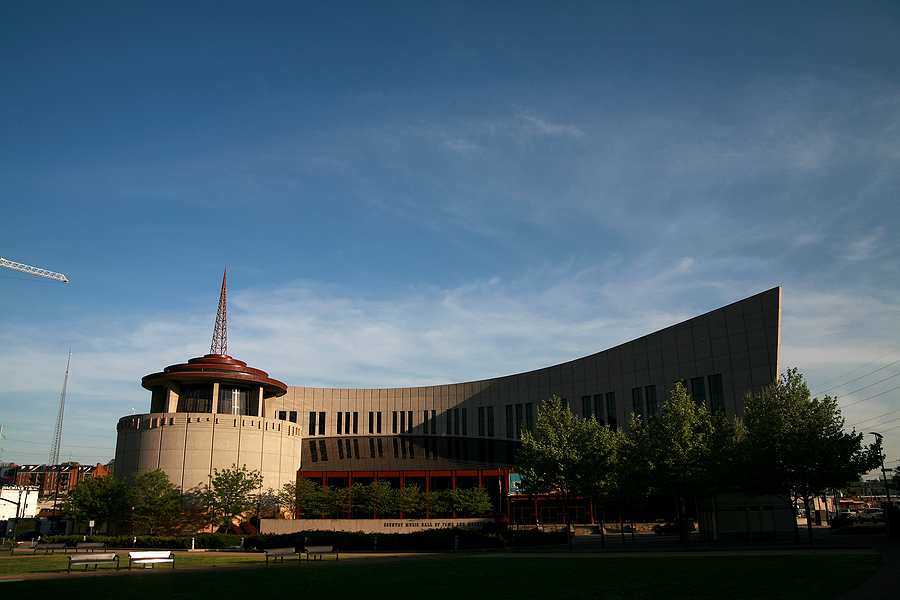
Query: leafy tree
(101, 499)
(470, 502)
(556, 459)
(796, 445)
(439, 503)
(230, 494)
(373, 500)
(408, 501)
(691, 452)
(155, 500)
(304, 498)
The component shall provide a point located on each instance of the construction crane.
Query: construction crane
(33, 270)
(57, 435)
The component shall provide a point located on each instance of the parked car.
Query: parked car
(870, 514)
(672, 528)
(28, 536)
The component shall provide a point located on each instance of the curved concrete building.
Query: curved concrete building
(439, 430)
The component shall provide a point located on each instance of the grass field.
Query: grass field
(469, 578)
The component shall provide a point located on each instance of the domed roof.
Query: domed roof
(215, 367)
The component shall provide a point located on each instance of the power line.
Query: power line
(870, 397)
(862, 377)
(858, 368)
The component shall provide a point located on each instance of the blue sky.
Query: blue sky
(409, 193)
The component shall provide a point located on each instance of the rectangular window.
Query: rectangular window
(282, 415)
(378, 422)
(292, 416)
(598, 408)
(529, 417)
(425, 422)
(433, 422)
(510, 422)
(586, 407)
(637, 401)
(312, 423)
(455, 421)
(372, 423)
(611, 410)
(409, 422)
(313, 451)
(716, 393)
(698, 391)
(394, 422)
(482, 429)
(490, 421)
(449, 418)
(465, 421)
(347, 423)
(402, 422)
(340, 423)
(323, 450)
(651, 399)
(322, 423)
(519, 418)
(355, 423)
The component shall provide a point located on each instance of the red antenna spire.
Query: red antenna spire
(220, 334)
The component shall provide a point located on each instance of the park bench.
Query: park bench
(277, 553)
(90, 546)
(51, 548)
(320, 551)
(148, 558)
(95, 559)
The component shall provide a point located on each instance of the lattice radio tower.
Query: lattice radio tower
(220, 334)
(57, 435)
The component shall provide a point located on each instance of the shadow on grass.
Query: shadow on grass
(476, 578)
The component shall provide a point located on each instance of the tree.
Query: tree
(690, 451)
(230, 495)
(99, 499)
(796, 445)
(155, 500)
(303, 498)
(470, 502)
(560, 458)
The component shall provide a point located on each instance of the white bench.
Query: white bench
(320, 551)
(277, 553)
(87, 560)
(148, 558)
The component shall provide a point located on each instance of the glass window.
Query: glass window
(235, 401)
(698, 391)
(394, 422)
(433, 422)
(312, 423)
(716, 393)
(529, 417)
(651, 399)
(510, 422)
(340, 423)
(598, 407)
(637, 401)
(292, 416)
(347, 423)
(322, 424)
(611, 410)
(586, 407)
(195, 399)
(455, 421)
(378, 422)
(465, 421)
(519, 419)
(372, 424)
(490, 421)
(482, 428)
(282, 415)
(355, 424)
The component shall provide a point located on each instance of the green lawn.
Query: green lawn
(472, 578)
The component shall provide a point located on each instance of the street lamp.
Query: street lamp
(887, 489)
